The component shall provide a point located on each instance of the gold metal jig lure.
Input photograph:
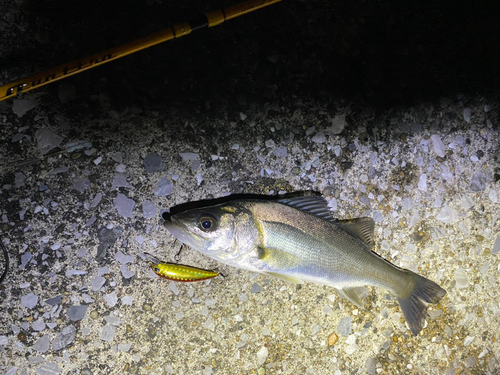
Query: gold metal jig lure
(179, 272)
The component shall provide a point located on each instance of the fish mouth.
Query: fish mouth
(182, 232)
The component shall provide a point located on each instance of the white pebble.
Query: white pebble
(415, 219)
(319, 137)
(337, 150)
(189, 156)
(121, 168)
(126, 272)
(209, 324)
(493, 196)
(199, 179)
(468, 340)
(262, 355)
(437, 203)
(438, 145)
(333, 204)
(98, 160)
(123, 258)
(467, 202)
(351, 349)
(484, 269)
(127, 300)
(173, 287)
(461, 279)
(111, 299)
(351, 340)
(108, 333)
(338, 124)
(97, 283)
(124, 347)
(377, 217)
(464, 228)
(117, 156)
(29, 301)
(496, 248)
(344, 326)
(310, 130)
(483, 353)
(422, 183)
(467, 115)
(280, 152)
(270, 143)
(447, 215)
(86, 298)
(38, 326)
(407, 203)
(74, 272)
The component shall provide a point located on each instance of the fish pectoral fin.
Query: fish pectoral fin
(288, 279)
(356, 295)
(362, 228)
(278, 258)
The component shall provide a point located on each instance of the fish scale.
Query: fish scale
(337, 260)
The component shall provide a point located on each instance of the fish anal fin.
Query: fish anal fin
(278, 259)
(356, 295)
(362, 228)
(288, 279)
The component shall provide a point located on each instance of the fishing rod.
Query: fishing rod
(209, 19)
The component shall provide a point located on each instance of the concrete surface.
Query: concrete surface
(79, 207)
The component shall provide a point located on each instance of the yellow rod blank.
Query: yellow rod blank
(213, 18)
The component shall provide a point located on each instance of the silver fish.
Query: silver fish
(298, 240)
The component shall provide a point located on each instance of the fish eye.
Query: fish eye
(207, 222)
(156, 269)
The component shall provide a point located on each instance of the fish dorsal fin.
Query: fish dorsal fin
(316, 206)
(362, 228)
(288, 279)
(356, 295)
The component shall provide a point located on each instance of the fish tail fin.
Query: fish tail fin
(414, 301)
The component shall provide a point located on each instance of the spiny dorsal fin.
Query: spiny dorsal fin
(362, 228)
(314, 205)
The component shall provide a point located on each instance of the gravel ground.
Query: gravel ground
(388, 112)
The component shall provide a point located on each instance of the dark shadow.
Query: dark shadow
(381, 53)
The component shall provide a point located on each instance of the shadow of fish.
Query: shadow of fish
(297, 240)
